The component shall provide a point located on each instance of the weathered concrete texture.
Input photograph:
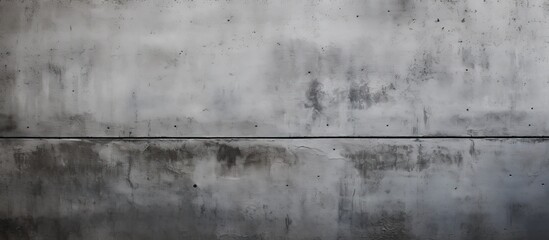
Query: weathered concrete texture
(312, 67)
(283, 189)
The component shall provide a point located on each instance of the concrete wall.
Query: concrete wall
(177, 119)
(274, 189)
(218, 68)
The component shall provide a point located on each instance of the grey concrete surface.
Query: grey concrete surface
(99, 73)
(274, 189)
(293, 68)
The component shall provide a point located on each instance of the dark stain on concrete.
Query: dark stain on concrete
(382, 158)
(287, 223)
(8, 82)
(426, 66)
(27, 228)
(437, 155)
(53, 178)
(473, 57)
(7, 123)
(60, 159)
(175, 160)
(473, 151)
(314, 98)
(500, 122)
(226, 155)
(235, 160)
(389, 226)
(506, 116)
(426, 115)
(260, 156)
(56, 71)
(159, 153)
(360, 96)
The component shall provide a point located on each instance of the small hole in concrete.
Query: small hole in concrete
(455, 188)
(510, 175)
(287, 185)
(28, 127)
(174, 126)
(388, 10)
(327, 125)
(108, 127)
(309, 72)
(532, 108)
(467, 70)
(543, 184)
(255, 125)
(387, 125)
(356, 15)
(318, 176)
(529, 125)
(334, 149)
(467, 109)
(194, 186)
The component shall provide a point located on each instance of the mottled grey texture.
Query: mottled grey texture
(311, 67)
(266, 68)
(274, 189)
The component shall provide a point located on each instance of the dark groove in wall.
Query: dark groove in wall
(290, 137)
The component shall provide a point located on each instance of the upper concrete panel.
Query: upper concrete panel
(273, 68)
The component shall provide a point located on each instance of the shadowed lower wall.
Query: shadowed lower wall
(274, 189)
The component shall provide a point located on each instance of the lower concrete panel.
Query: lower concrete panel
(274, 189)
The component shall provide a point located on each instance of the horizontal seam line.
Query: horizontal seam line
(280, 137)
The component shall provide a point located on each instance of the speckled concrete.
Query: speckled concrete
(274, 189)
(293, 68)
(91, 91)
